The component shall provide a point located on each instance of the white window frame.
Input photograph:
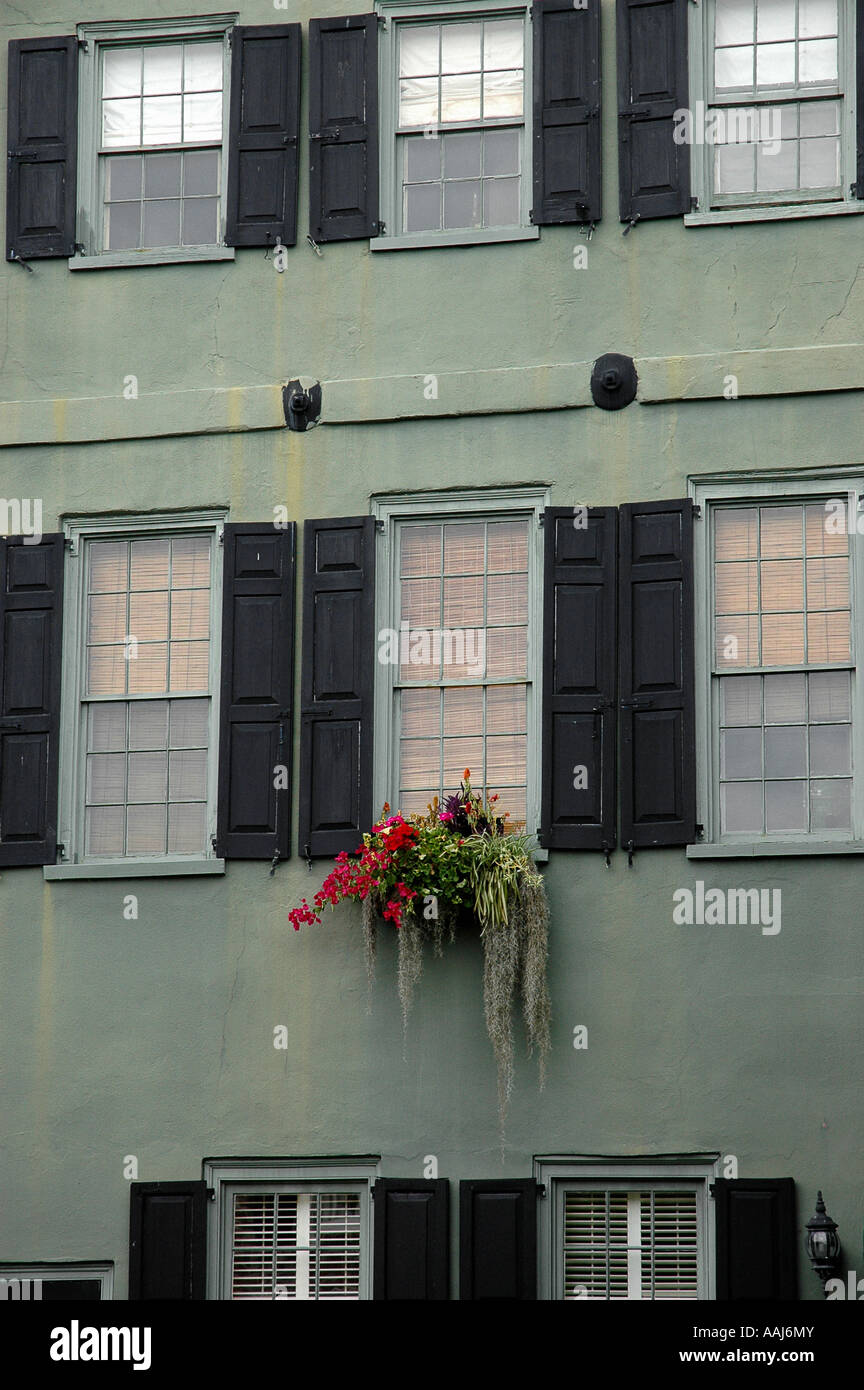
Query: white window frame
(768, 486)
(701, 67)
(230, 1175)
(392, 13)
(78, 531)
(93, 39)
(103, 1270)
(562, 1173)
(470, 504)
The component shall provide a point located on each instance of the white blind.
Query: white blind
(296, 1245)
(630, 1245)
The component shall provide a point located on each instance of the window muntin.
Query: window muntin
(461, 699)
(782, 58)
(782, 670)
(462, 83)
(160, 144)
(622, 1244)
(147, 638)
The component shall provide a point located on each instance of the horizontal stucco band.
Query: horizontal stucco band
(503, 390)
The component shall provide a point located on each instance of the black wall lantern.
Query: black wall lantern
(301, 404)
(823, 1242)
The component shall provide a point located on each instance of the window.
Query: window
(290, 1232)
(634, 1231)
(56, 1283)
(457, 658)
(140, 710)
(780, 668)
(153, 115)
(778, 81)
(455, 126)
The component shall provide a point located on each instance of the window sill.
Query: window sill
(427, 241)
(786, 212)
(134, 868)
(774, 848)
(170, 256)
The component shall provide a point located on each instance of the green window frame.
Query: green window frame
(239, 1187)
(605, 1222)
(497, 505)
(96, 40)
(774, 489)
(775, 107)
(398, 16)
(76, 862)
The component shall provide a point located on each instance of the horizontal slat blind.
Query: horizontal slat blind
(630, 1245)
(296, 1245)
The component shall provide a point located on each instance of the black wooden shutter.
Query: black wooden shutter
(653, 172)
(264, 128)
(658, 752)
(579, 678)
(412, 1238)
(566, 112)
(343, 128)
(31, 599)
(42, 146)
(498, 1239)
(257, 686)
(167, 1240)
(757, 1240)
(337, 684)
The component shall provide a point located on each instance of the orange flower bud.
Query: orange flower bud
(466, 774)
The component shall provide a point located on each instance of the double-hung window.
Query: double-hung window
(455, 126)
(777, 79)
(780, 665)
(139, 718)
(458, 634)
(153, 139)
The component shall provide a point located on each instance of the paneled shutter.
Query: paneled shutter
(31, 599)
(658, 754)
(411, 1238)
(498, 1239)
(343, 128)
(337, 684)
(167, 1240)
(653, 171)
(262, 142)
(757, 1239)
(42, 146)
(566, 112)
(257, 688)
(579, 678)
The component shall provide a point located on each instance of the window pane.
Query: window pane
(123, 177)
(508, 546)
(817, 61)
(782, 639)
(742, 700)
(737, 641)
(161, 224)
(107, 725)
(202, 117)
(421, 602)
(463, 601)
(741, 807)
(828, 583)
(785, 699)
(200, 172)
(462, 204)
(785, 806)
(514, 800)
(121, 72)
(200, 222)
(162, 120)
(502, 44)
(464, 548)
(462, 155)
(733, 67)
(202, 67)
(190, 562)
(464, 658)
(502, 94)
(122, 226)
(460, 97)
(830, 695)
(422, 158)
(783, 585)
(734, 21)
(831, 805)
(148, 724)
(186, 829)
(460, 47)
(420, 763)
(820, 118)
(187, 775)
(781, 532)
(145, 830)
(501, 202)
(121, 122)
(820, 163)
(736, 533)
(827, 637)
(460, 753)
(736, 588)
(775, 65)
(148, 617)
(500, 152)
(505, 652)
(149, 565)
(506, 709)
(162, 68)
(106, 671)
(161, 176)
(418, 101)
(104, 830)
(422, 212)
(149, 670)
(777, 169)
(463, 710)
(785, 752)
(106, 618)
(190, 665)
(420, 712)
(106, 778)
(189, 720)
(507, 598)
(421, 550)
(506, 759)
(190, 614)
(147, 776)
(741, 753)
(816, 17)
(418, 50)
(830, 749)
(775, 19)
(734, 168)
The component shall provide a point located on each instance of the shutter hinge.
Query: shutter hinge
(631, 224)
(220, 535)
(307, 855)
(697, 511)
(84, 44)
(382, 24)
(61, 852)
(700, 832)
(606, 848)
(541, 1189)
(79, 248)
(214, 846)
(541, 518)
(273, 862)
(712, 1189)
(379, 523)
(25, 265)
(856, 190)
(694, 204)
(211, 1194)
(629, 849)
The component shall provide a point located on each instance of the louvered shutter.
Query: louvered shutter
(498, 1239)
(337, 684)
(257, 691)
(757, 1239)
(264, 127)
(343, 128)
(411, 1238)
(566, 112)
(31, 599)
(630, 1245)
(296, 1245)
(167, 1240)
(579, 678)
(653, 171)
(656, 683)
(42, 146)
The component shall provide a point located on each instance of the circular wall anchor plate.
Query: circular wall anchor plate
(613, 381)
